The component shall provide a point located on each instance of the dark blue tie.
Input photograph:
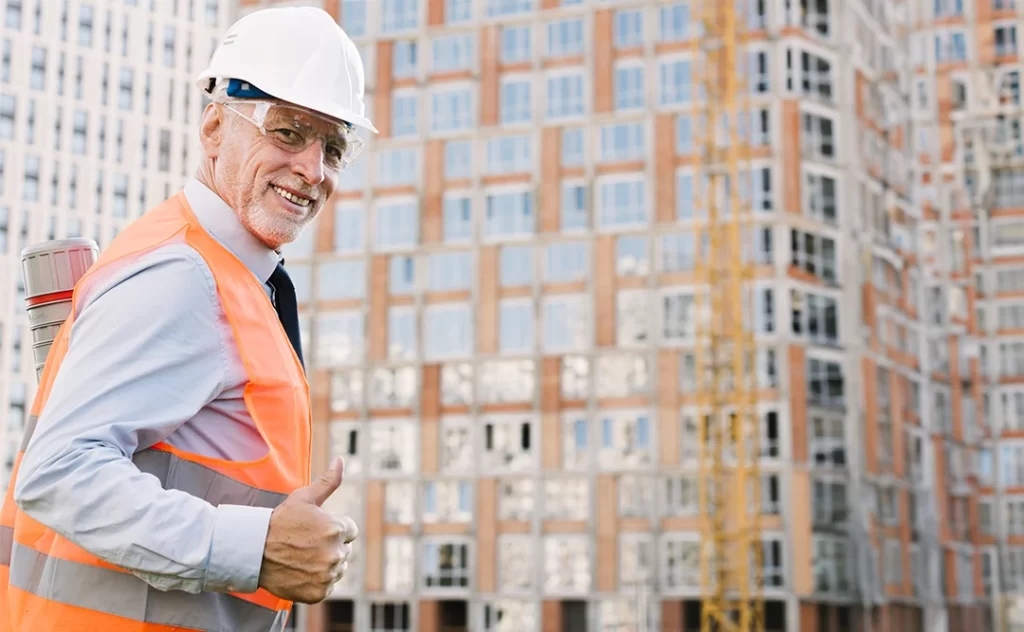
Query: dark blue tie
(287, 307)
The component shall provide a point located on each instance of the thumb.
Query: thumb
(321, 489)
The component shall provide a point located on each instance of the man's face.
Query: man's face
(279, 181)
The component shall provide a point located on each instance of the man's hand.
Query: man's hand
(307, 550)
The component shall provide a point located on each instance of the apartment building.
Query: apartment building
(967, 109)
(97, 124)
(500, 321)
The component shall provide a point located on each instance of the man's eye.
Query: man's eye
(287, 135)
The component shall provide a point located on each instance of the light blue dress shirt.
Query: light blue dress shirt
(152, 358)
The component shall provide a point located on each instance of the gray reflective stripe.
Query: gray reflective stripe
(6, 542)
(30, 428)
(124, 595)
(199, 480)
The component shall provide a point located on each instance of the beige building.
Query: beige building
(500, 310)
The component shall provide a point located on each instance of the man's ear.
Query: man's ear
(211, 129)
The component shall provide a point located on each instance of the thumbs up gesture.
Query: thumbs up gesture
(307, 550)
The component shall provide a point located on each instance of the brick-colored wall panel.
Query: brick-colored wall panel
(665, 172)
(800, 534)
(487, 309)
(435, 12)
(791, 195)
(489, 80)
(798, 401)
(668, 407)
(429, 616)
(430, 419)
(382, 89)
(551, 180)
(603, 61)
(433, 192)
(870, 438)
(372, 536)
(607, 533)
(604, 290)
(378, 322)
(486, 542)
(551, 616)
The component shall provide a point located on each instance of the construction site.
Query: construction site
(637, 315)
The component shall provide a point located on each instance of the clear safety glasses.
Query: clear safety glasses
(294, 130)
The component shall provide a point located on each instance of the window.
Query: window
(448, 331)
(808, 75)
(404, 120)
(515, 266)
(678, 315)
(510, 154)
(621, 142)
(79, 131)
(631, 256)
(829, 503)
(676, 82)
(515, 44)
(349, 229)
(628, 29)
(452, 110)
(820, 202)
(567, 323)
(397, 224)
(623, 203)
(458, 159)
(818, 137)
(1006, 39)
(636, 560)
(565, 38)
(572, 147)
(816, 317)
(674, 22)
(37, 80)
(515, 326)
(516, 104)
(458, 219)
(827, 442)
(825, 385)
(453, 53)
(8, 109)
(508, 444)
(759, 72)
(574, 215)
(625, 441)
(392, 448)
(832, 565)
(505, 8)
(12, 18)
(680, 562)
(510, 614)
(566, 262)
(399, 15)
(401, 333)
(404, 58)
(391, 617)
(950, 46)
(629, 86)
(516, 565)
(353, 17)
(566, 498)
(124, 98)
(445, 564)
(30, 186)
(814, 254)
(457, 11)
(509, 214)
(565, 95)
(567, 567)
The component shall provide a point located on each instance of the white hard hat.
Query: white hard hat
(296, 54)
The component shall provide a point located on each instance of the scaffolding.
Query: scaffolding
(729, 478)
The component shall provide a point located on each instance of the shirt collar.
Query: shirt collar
(221, 221)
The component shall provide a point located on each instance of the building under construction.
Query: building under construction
(608, 263)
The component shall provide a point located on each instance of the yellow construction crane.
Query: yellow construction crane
(729, 479)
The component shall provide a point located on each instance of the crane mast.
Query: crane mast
(726, 355)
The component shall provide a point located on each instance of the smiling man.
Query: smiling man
(164, 482)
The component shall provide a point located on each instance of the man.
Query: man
(165, 484)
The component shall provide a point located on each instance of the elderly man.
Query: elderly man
(166, 481)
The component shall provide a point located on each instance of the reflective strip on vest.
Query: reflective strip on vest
(127, 596)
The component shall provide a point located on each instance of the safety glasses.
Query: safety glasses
(294, 130)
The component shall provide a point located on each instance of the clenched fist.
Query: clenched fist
(307, 550)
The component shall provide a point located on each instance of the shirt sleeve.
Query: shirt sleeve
(145, 354)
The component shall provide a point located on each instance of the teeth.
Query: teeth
(291, 198)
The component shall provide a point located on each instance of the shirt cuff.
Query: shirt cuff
(236, 552)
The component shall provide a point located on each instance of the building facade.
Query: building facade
(98, 115)
(499, 304)
(501, 322)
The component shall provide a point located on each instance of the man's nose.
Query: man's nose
(309, 163)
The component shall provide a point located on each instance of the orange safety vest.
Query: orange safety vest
(49, 584)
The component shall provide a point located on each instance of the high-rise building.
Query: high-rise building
(499, 303)
(501, 311)
(98, 115)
